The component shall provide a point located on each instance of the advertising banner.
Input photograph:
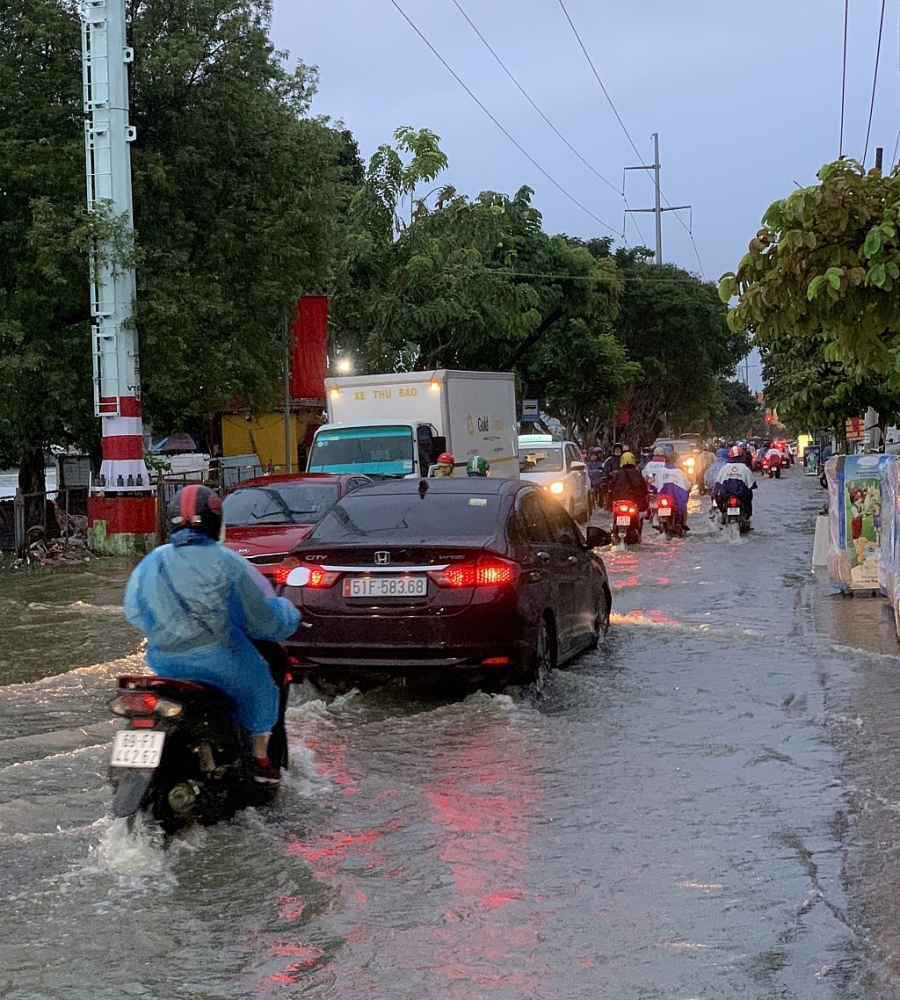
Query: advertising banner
(855, 484)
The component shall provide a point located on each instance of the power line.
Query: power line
(874, 81)
(528, 98)
(518, 146)
(619, 119)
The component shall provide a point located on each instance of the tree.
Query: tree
(239, 196)
(811, 392)
(476, 284)
(824, 268)
(737, 412)
(45, 363)
(239, 200)
(674, 326)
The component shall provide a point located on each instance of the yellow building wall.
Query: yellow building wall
(263, 435)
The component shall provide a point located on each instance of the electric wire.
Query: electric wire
(622, 123)
(874, 82)
(518, 145)
(844, 79)
(528, 98)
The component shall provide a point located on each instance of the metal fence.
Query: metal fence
(63, 508)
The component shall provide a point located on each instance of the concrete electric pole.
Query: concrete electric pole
(658, 209)
(122, 511)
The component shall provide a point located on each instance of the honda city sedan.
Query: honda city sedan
(482, 580)
(267, 516)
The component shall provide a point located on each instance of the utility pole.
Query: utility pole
(658, 209)
(122, 510)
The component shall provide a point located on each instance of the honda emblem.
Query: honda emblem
(382, 558)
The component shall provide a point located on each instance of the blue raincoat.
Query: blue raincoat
(199, 604)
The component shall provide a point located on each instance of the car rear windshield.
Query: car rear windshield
(387, 451)
(409, 517)
(540, 459)
(280, 503)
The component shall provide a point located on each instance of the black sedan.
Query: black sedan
(485, 580)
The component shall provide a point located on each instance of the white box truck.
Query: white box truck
(397, 424)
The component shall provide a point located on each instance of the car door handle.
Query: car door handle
(572, 560)
(543, 556)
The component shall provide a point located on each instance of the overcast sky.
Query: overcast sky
(745, 96)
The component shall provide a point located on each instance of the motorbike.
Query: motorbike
(735, 515)
(181, 759)
(771, 467)
(627, 523)
(667, 516)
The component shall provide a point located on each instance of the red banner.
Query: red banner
(309, 357)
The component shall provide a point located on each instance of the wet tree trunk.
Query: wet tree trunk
(33, 484)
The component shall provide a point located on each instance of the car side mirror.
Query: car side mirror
(596, 538)
(577, 466)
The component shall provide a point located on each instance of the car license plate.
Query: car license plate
(734, 511)
(623, 522)
(137, 748)
(386, 586)
(664, 512)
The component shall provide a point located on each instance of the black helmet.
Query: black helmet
(196, 507)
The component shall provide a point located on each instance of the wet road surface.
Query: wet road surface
(703, 809)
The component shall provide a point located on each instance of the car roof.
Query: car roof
(439, 484)
(295, 477)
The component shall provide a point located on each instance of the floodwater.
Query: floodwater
(703, 809)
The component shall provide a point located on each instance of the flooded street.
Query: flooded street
(705, 808)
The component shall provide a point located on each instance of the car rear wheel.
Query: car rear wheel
(601, 619)
(544, 652)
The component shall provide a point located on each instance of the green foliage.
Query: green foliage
(238, 202)
(674, 326)
(737, 412)
(239, 195)
(824, 268)
(45, 365)
(811, 392)
(476, 284)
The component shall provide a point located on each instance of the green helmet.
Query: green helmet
(478, 466)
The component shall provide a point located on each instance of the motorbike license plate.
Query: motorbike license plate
(623, 522)
(734, 511)
(137, 748)
(664, 512)
(386, 586)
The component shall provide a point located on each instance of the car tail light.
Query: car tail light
(623, 507)
(487, 573)
(733, 502)
(497, 661)
(665, 501)
(322, 579)
(284, 568)
(144, 703)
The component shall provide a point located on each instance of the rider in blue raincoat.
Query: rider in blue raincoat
(200, 604)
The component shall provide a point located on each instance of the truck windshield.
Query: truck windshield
(387, 451)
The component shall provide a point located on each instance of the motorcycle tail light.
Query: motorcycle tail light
(487, 573)
(144, 703)
(733, 502)
(665, 502)
(626, 508)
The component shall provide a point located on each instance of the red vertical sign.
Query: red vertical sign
(309, 357)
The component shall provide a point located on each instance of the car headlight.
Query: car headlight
(558, 488)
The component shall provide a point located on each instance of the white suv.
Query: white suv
(557, 467)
